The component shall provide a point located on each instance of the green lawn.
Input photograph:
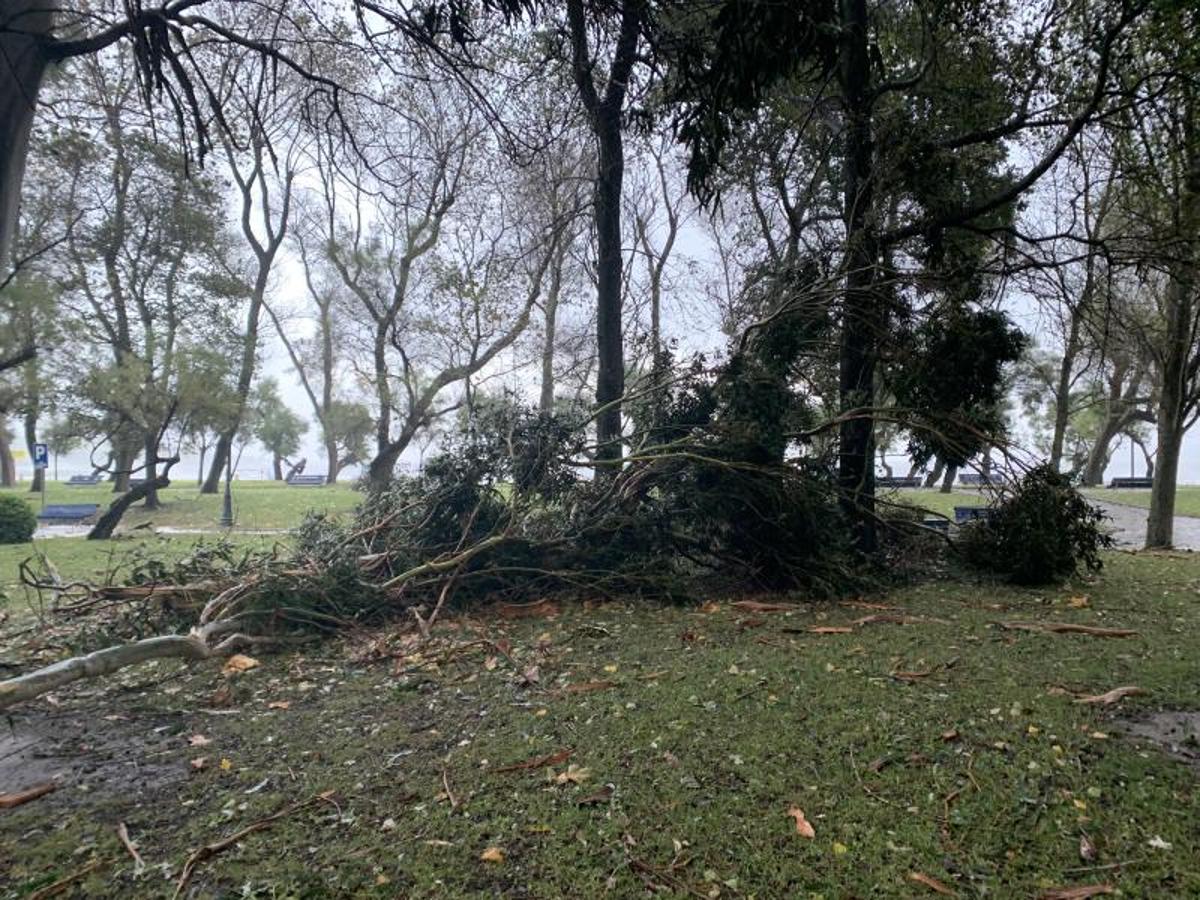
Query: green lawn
(928, 741)
(1187, 498)
(935, 501)
(257, 504)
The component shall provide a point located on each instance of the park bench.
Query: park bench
(68, 512)
(937, 524)
(85, 480)
(306, 480)
(1125, 483)
(976, 479)
(964, 514)
(898, 481)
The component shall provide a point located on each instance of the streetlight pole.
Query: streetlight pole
(227, 500)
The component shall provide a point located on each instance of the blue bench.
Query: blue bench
(85, 480)
(977, 479)
(68, 512)
(905, 481)
(306, 480)
(942, 525)
(964, 514)
(1127, 483)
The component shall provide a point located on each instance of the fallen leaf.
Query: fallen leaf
(951, 735)
(1077, 602)
(279, 704)
(930, 882)
(610, 668)
(222, 696)
(1082, 892)
(17, 798)
(710, 607)
(758, 606)
(863, 604)
(532, 675)
(829, 629)
(912, 676)
(239, 663)
(586, 687)
(198, 740)
(601, 796)
(803, 826)
(573, 774)
(539, 762)
(490, 663)
(226, 764)
(1087, 850)
(840, 849)
(1158, 843)
(1110, 697)
(492, 855)
(199, 762)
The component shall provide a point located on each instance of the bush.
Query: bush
(1044, 532)
(17, 520)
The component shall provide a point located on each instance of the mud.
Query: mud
(1176, 733)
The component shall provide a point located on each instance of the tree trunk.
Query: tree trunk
(883, 462)
(550, 309)
(948, 480)
(277, 465)
(1062, 395)
(1160, 523)
(610, 375)
(8, 465)
(860, 319)
(123, 457)
(932, 478)
(39, 475)
(107, 523)
(216, 467)
(20, 80)
(200, 469)
(331, 462)
(150, 474)
(383, 467)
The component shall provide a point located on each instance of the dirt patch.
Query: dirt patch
(127, 756)
(1176, 733)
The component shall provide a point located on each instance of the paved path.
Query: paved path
(1129, 526)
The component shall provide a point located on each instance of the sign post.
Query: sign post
(41, 459)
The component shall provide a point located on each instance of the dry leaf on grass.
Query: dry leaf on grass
(932, 883)
(803, 826)
(239, 663)
(573, 774)
(1082, 892)
(829, 629)
(539, 762)
(198, 740)
(17, 798)
(279, 704)
(710, 607)
(492, 855)
(1077, 602)
(1110, 697)
(198, 763)
(601, 796)
(1087, 850)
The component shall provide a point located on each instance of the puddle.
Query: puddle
(1175, 733)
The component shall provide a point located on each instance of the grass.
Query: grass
(935, 501)
(1187, 498)
(976, 768)
(257, 504)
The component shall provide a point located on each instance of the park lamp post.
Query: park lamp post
(227, 500)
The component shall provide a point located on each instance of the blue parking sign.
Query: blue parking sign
(41, 456)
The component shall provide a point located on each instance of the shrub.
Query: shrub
(17, 520)
(1043, 532)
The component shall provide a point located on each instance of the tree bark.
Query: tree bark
(1062, 394)
(24, 66)
(860, 317)
(948, 479)
(150, 474)
(8, 465)
(932, 478)
(277, 466)
(39, 475)
(107, 523)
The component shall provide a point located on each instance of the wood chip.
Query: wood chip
(1110, 697)
(932, 883)
(17, 798)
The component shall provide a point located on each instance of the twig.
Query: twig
(210, 850)
(123, 836)
(449, 793)
(62, 884)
